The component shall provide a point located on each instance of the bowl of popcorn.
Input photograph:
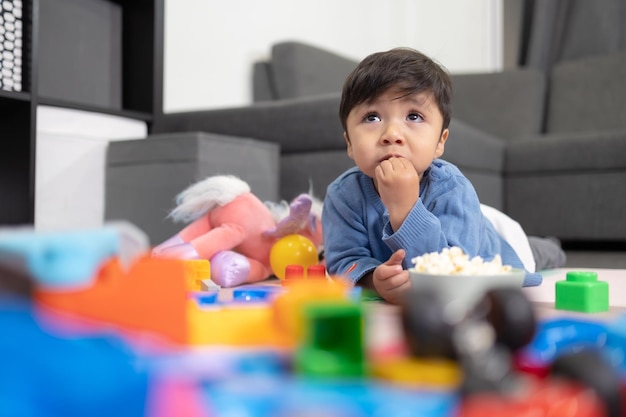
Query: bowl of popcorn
(461, 281)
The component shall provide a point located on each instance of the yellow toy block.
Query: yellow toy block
(288, 307)
(196, 271)
(235, 324)
(418, 373)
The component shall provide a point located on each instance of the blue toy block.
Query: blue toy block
(58, 259)
(256, 293)
(44, 374)
(567, 335)
(557, 336)
(205, 298)
(268, 396)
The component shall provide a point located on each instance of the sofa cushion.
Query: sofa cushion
(574, 152)
(507, 104)
(468, 147)
(300, 70)
(588, 94)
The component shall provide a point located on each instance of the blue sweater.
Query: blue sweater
(358, 235)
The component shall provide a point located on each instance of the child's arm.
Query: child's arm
(346, 241)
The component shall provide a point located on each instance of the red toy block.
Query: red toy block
(543, 398)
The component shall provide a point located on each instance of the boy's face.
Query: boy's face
(407, 127)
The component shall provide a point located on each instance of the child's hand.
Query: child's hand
(390, 280)
(398, 185)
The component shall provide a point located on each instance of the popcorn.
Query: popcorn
(453, 261)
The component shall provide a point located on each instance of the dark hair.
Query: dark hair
(405, 69)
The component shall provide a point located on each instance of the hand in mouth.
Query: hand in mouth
(387, 157)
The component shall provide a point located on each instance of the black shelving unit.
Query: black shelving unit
(137, 81)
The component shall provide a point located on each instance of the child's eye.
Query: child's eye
(371, 117)
(415, 117)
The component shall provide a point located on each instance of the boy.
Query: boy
(401, 200)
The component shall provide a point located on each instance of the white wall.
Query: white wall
(210, 45)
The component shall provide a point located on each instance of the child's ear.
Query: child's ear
(348, 144)
(442, 143)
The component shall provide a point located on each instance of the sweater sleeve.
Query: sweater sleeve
(346, 243)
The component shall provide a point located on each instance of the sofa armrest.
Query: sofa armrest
(468, 147)
(480, 156)
(307, 124)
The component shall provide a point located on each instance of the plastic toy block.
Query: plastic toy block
(274, 321)
(316, 272)
(294, 271)
(581, 291)
(549, 397)
(45, 373)
(251, 325)
(333, 344)
(205, 298)
(58, 259)
(196, 270)
(288, 305)
(208, 285)
(175, 396)
(151, 296)
(418, 373)
(255, 294)
(288, 396)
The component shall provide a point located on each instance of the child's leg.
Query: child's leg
(512, 232)
(536, 253)
(547, 252)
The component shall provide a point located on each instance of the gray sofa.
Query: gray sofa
(549, 150)
(565, 165)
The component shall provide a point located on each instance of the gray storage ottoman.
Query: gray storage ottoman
(143, 176)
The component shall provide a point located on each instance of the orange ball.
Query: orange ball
(292, 250)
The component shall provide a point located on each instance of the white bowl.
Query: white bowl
(460, 293)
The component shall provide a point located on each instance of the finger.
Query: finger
(397, 257)
(378, 171)
(399, 162)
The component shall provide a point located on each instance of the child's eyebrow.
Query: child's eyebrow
(420, 99)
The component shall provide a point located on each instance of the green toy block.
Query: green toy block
(581, 291)
(333, 344)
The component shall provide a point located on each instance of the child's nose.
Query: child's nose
(392, 135)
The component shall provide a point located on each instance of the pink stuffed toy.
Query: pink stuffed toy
(234, 230)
